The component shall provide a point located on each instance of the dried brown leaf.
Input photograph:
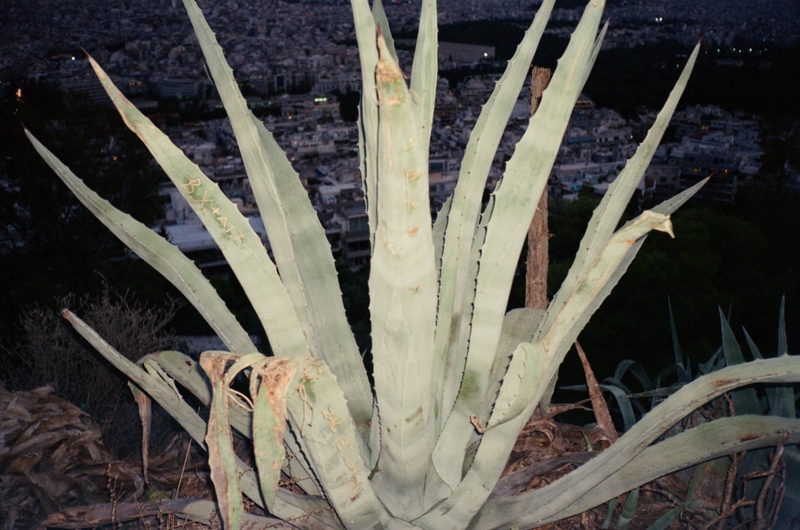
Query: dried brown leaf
(598, 401)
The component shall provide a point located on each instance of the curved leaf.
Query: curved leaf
(366, 36)
(402, 288)
(553, 502)
(151, 379)
(159, 254)
(232, 232)
(455, 290)
(504, 227)
(512, 411)
(608, 213)
(328, 437)
(297, 238)
(425, 70)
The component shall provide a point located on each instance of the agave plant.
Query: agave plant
(455, 378)
(765, 501)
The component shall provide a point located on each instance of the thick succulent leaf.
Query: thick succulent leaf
(318, 276)
(628, 510)
(607, 215)
(260, 170)
(625, 406)
(159, 386)
(636, 369)
(665, 208)
(439, 227)
(526, 176)
(745, 400)
(219, 443)
(504, 228)
(590, 291)
(366, 35)
(676, 345)
(522, 377)
(424, 71)
(781, 398)
(754, 350)
(699, 444)
(159, 254)
(671, 205)
(519, 326)
(327, 436)
(558, 499)
(598, 45)
(271, 381)
(403, 288)
(453, 380)
(379, 14)
(594, 286)
(297, 239)
(232, 232)
(625, 393)
(464, 210)
(166, 395)
(188, 373)
(315, 512)
(513, 408)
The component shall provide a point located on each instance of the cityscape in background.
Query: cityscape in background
(295, 60)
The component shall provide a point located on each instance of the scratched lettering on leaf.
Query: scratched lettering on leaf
(194, 187)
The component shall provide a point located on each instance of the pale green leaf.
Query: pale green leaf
(151, 379)
(608, 213)
(424, 71)
(159, 254)
(512, 411)
(519, 325)
(382, 23)
(602, 478)
(297, 238)
(455, 291)
(232, 232)
(328, 437)
(366, 35)
(403, 289)
(219, 442)
(504, 227)
(269, 422)
(188, 373)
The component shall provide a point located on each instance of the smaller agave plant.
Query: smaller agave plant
(765, 501)
(455, 378)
